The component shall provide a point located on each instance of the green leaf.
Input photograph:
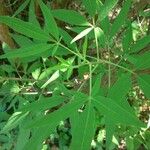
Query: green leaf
(21, 7)
(105, 25)
(83, 128)
(13, 121)
(61, 114)
(54, 76)
(140, 44)
(123, 85)
(67, 39)
(82, 34)
(23, 138)
(117, 114)
(121, 18)
(35, 49)
(42, 104)
(38, 136)
(127, 38)
(100, 36)
(144, 83)
(21, 40)
(96, 86)
(85, 46)
(90, 6)
(106, 8)
(50, 23)
(24, 28)
(145, 13)
(32, 15)
(110, 129)
(70, 16)
(49, 70)
(142, 61)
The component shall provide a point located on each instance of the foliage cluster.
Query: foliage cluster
(71, 81)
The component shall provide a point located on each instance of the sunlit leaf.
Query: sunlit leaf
(54, 76)
(100, 36)
(82, 34)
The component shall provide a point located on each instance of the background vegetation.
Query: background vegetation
(74, 75)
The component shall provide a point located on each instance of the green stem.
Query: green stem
(90, 81)
(109, 66)
(96, 41)
(80, 56)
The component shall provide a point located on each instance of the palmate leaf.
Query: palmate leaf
(47, 124)
(121, 18)
(32, 50)
(50, 23)
(83, 128)
(25, 28)
(144, 83)
(90, 6)
(62, 113)
(70, 16)
(106, 8)
(115, 112)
